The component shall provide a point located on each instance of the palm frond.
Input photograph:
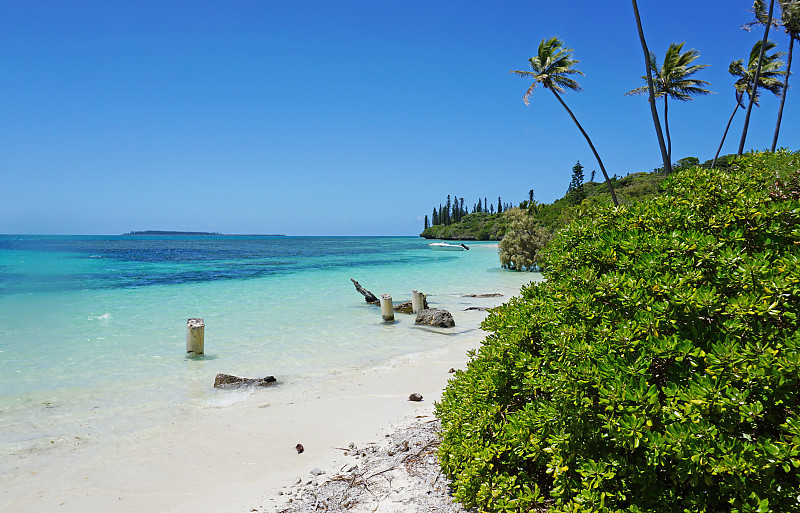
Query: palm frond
(672, 78)
(638, 90)
(551, 67)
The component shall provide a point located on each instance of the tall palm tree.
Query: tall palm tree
(769, 79)
(790, 21)
(651, 96)
(673, 80)
(551, 68)
(767, 24)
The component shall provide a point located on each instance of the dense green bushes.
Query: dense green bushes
(658, 366)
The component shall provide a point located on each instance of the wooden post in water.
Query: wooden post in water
(387, 312)
(417, 301)
(195, 332)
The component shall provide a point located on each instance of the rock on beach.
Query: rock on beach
(435, 317)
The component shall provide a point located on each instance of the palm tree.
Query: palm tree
(551, 68)
(652, 97)
(769, 79)
(673, 80)
(790, 21)
(755, 78)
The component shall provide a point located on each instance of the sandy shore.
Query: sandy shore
(364, 413)
(242, 458)
(396, 473)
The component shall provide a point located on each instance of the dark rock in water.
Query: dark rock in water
(478, 308)
(415, 397)
(435, 317)
(451, 370)
(299, 448)
(483, 295)
(404, 307)
(229, 381)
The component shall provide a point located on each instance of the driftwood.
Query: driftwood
(228, 381)
(404, 307)
(369, 297)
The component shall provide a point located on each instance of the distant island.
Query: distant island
(207, 234)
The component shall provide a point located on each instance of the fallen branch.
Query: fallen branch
(369, 297)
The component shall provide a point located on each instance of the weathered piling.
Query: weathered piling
(417, 301)
(195, 333)
(387, 312)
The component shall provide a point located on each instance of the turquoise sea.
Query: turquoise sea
(93, 328)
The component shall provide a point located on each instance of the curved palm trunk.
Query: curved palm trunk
(756, 77)
(600, 162)
(666, 131)
(652, 99)
(714, 163)
(783, 93)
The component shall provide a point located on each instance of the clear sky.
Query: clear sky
(335, 117)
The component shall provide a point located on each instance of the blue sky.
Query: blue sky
(334, 118)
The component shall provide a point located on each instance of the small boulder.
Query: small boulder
(229, 381)
(415, 397)
(435, 317)
(299, 448)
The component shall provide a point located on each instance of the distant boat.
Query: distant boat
(443, 246)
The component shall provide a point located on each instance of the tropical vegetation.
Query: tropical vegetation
(657, 366)
(656, 369)
(673, 79)
(790, 21)
(551, 67)
(768, 79)
(767, 23)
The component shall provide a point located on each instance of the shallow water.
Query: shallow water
(93, 329)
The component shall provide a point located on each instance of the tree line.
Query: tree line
(453, 210)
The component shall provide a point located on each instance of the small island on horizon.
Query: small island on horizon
(214, 234)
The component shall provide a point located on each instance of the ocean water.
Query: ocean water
(93, 329)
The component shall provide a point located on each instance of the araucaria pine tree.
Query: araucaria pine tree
(576, 184)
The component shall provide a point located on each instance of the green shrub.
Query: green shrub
(657, 368)
(524, 241)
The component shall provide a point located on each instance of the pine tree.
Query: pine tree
(461, 207)
(426, 222)
(499, 206)
(435, 217)
(575, 189)
(479, 206)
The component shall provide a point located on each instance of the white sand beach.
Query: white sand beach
(242, 457)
